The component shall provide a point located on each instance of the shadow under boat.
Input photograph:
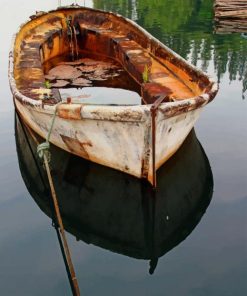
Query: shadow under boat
(118, 212)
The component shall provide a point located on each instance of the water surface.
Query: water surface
(212, 258)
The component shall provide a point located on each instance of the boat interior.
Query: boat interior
(74, 49)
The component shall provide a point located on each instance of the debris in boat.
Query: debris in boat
(98, 78)
(100, 74)
(82, 73)
(72, 63)
(111, 75)
(87, 69)
(90, 62)
(60, 83)
(65, 72)
(100, 71)
(42, 92)
(81, 82)
(84, 61)
(108, 66)
(50, 77)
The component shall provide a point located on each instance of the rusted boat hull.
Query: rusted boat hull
(134, 139)
(120, 145)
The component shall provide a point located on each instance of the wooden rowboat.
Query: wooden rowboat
(134, 137)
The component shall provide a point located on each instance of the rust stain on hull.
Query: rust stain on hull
(75, 146)
(69, 111)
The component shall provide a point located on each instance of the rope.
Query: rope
(43, 151)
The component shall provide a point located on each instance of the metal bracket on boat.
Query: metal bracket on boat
(153, 111)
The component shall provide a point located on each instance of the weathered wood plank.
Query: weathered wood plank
(230, 15)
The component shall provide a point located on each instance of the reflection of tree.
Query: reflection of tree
(123, 7)
(186, 26)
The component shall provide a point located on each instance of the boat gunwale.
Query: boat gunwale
(108, 112)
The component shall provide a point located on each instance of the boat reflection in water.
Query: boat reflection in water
(117, 212)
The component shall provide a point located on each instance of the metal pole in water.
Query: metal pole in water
(63, 254)
(62, 231)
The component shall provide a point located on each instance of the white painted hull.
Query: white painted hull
(117, 144)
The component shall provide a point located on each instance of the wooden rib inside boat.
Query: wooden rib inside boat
(80, 48)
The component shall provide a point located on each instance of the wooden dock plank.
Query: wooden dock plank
(230, 15)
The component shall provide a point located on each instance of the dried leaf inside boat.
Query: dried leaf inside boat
(87, 69)
(60, 83)
(89, 62)
(81, 82)
(72, 63)
(50, 77)
(65, 72)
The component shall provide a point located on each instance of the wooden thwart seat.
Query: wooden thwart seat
(134, 58)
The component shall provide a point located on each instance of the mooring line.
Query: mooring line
(43, 150)
(60, 228)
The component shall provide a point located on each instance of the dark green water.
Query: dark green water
(200, 253)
